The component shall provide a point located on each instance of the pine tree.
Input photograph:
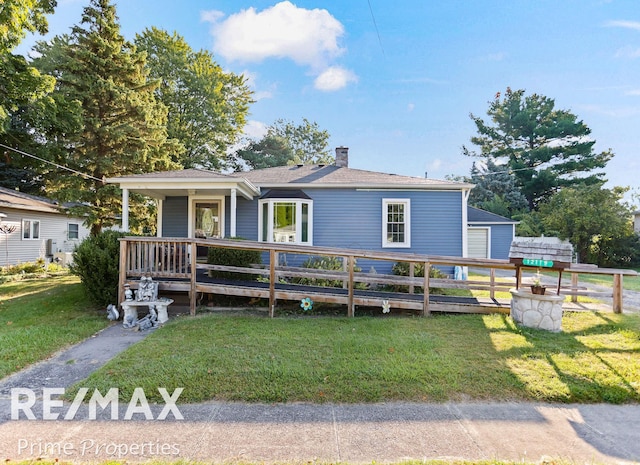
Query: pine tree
(546, 149)
(122, 127)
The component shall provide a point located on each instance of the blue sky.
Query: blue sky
(399, 95)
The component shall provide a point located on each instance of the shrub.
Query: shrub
(96, 262)
(402, 269)
(233, 257)
(331, 263)
(25, 268)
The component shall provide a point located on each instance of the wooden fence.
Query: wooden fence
(169, 261)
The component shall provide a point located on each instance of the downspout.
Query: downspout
(465, 228)
(465, 246)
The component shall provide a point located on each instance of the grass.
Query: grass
(374, 359)
(41, 316)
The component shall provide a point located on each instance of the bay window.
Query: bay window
(286, 220)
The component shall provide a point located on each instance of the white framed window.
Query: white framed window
(73, 231)
(286, 220)
(30, 229)
(396, 223)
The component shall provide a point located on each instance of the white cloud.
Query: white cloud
(634, 92)
(255, 129)
(308, 37)
(334, 78)
(624, 24)
(252, 81)
(628, 52)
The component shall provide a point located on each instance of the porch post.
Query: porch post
(232, 228)
(125, 209)
(160, 206)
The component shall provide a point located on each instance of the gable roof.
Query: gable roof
(475, 215)
(335, 176)
(298, 176)
(19, 200)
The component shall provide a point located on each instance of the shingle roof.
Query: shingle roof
(333, 176)
(191, 173)
(475, 215)
(15, 199)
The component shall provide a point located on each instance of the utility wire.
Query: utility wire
(84, 175)
(376, 27)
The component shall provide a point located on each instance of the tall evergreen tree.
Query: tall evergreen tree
(207, 106)
(545, 148)
(120, 128)
(496, 190)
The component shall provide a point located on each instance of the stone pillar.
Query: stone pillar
(537, 311)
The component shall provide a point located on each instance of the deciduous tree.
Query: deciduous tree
(207, 106)
(594, 220)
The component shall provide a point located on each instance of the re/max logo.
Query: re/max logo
(24, 399)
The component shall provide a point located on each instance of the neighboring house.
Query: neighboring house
(489, 235)
(636, 221)
(321, 205)
(33, 227)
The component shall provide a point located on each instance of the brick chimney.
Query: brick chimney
(342, 157)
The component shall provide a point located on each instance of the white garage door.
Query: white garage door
(478, 242)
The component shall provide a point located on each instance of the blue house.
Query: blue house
(489, 235)
(321, 205)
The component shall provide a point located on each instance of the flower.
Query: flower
(386, 307)
(306, 304)
(537, 279)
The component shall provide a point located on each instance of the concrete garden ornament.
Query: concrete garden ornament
(306, 304)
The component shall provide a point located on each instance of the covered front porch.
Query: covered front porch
(206, 201)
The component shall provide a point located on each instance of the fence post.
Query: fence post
(351, 310)
(412, 273)
(492, 283)
(617, 293)
(123, 269)
(194, 295)
(425, 301)
(272, 282)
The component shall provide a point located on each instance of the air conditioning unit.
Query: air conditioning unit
(63, 258)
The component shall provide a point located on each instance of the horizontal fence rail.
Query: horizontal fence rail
(172, 262)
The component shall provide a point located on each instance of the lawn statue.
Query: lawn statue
(145, 296)
(112, 312)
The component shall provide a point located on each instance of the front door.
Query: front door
(208, 219)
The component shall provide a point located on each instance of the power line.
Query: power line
(376, 27)
(84, 175)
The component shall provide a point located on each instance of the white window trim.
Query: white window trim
(31, 223)
(69, 231)
(298, 203)
(407, 243)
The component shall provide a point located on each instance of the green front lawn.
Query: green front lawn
(374, 359)
(38, 317)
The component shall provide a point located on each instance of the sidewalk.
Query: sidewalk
(355, 433)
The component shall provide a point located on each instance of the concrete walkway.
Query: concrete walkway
(238, 432)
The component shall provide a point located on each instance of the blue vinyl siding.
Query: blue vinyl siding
(353, 219)
(501, 238)
(175, 221)
(246, 218)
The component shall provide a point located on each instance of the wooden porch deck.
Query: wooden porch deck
(168, 261)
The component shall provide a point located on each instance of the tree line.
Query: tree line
(94, 103)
